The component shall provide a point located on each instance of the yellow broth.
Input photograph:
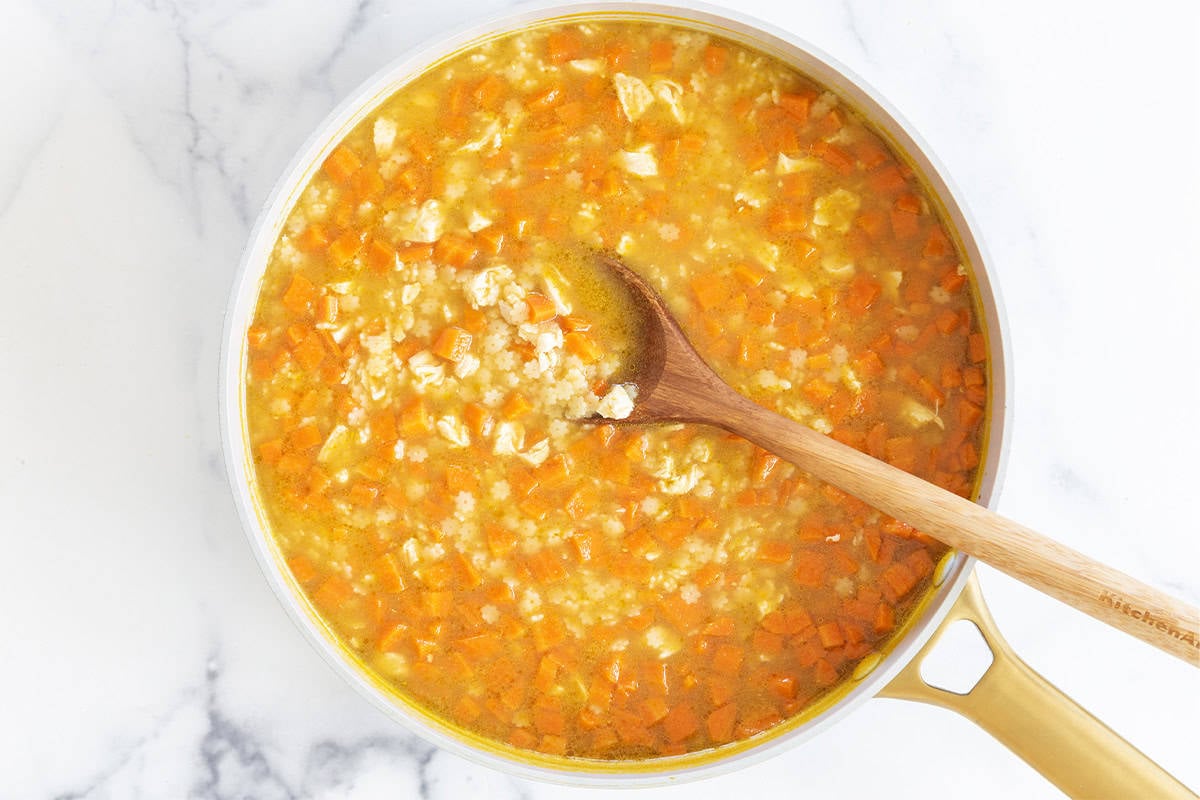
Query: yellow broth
(425, 334)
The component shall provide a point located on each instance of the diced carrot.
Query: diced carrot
(952, 281)
(752, 154)
(345, 247)
(824, 674)
(831, 123)
(478, 419)
(487, 92)
(501, 540)
(947, 322)
(887, 179)
(549, 721)
(257, 337)
(521, 481)
(313, 238)
(541, 308)
(547, 566)
(774, 551)
(901, 452)
(972, 376)
(310, 352)
(727, 659)
(333, 592)
(554, 470)
(366, 184)
(572, 324)
(885, 618)
(363, 494)
(456, 251)
(618, 55)
(452, 344)
(271, 451)
(830, 634)
(536, 507)
(810, 568)
(548, 632)
(581, 344)
(474, 320)
(654, 709)
(380, 256)
(438, 575)
(838, 159)
(480, 647)
(937, 244)
(415, 419)
(787, 622)
(862, 293)
(572, 114)
(977, 348)
(968, 456)
(293, 464)
(466, 710)
(516, 406)
(786, 218)
(680, 723)
(710, 289)
(412, 253)
(327, 309)
(296, 334)
(969, 414)
(919, 563)
(388, 572)
(766, 643)
(301, 568)
(750, 275)
(807, 650)
(715, 59)
(817, 389)
(546, 99)
(563, 45)
(782, 686)
(796, 104)
(899, 580)
(869, 364)
(720, 723)
(662, 55)
(581, 545)
(908, 203)
(460, 479)
(720, 626)
(522, 738)
(305, 437)
(299, 296)
(905, 217)
(342, 163)
(683, 615)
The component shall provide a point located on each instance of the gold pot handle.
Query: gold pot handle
(1077, 752)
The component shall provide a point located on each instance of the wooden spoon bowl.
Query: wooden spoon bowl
(674, 384)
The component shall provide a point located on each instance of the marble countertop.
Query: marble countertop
(145, 656)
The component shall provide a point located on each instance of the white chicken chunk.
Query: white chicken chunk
(836, 210)
(633, 94)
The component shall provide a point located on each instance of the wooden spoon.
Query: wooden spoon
(675, 385)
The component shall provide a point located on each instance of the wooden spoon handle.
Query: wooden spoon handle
(1094, 588)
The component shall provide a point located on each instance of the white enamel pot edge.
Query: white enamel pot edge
(730, 24)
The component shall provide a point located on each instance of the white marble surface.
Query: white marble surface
(143, 654)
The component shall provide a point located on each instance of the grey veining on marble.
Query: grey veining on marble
(144, 655)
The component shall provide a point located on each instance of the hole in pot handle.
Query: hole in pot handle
(1053, 734)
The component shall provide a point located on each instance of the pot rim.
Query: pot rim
(747, 30)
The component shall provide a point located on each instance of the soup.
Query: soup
(425, 343)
